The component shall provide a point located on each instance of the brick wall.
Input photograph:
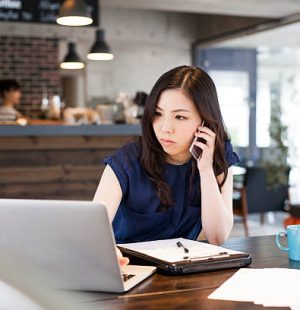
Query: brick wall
(34, 63)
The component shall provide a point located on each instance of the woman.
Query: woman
(154, 189)
(10, 92)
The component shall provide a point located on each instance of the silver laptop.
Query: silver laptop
(69, 244)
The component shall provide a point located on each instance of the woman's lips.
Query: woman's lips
(166, 142)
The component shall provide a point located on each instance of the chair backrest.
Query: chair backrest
(260, 196)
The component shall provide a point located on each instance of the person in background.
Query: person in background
(10, 92)
(154, 188)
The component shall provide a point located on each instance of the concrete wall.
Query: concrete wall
(145, 44)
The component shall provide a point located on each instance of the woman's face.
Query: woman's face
(175, 122)
(13, 96)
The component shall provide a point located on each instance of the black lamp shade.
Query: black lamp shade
(100, 50)
(74, 13)
(72, 60)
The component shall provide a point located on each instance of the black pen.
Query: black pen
(179, 244)
(226, 254)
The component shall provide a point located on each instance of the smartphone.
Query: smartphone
(195, 150)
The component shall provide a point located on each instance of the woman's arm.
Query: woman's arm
(109, 192)
(216, 206)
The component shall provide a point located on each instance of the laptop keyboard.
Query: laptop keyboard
(127, 276)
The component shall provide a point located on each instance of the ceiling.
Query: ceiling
(250, 8)
(283, 36)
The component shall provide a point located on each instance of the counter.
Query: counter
(66, 130)
(57, 161)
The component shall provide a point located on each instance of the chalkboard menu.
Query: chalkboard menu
(39, 11)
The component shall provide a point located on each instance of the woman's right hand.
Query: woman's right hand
(122, 260)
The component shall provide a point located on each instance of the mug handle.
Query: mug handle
(283, 234)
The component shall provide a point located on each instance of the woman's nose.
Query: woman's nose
(167, 126)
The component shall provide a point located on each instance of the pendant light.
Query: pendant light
(100, 50)
(74, 13)
(72, 60)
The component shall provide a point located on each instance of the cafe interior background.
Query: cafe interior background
(251, 50)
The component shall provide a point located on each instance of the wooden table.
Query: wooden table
(190, 291)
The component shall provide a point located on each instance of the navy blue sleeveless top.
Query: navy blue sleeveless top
(138, 217)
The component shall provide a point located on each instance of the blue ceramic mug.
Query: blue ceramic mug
(292, 234)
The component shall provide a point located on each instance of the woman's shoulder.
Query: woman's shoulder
(127, 156)
(129, 150)
(231, 156)
(228, 145)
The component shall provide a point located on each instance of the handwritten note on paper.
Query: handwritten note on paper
(168, 250)
(272, 287)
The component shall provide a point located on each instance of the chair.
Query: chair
(294, 218)
(254, 196)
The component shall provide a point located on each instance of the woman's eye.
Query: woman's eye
(157, 113)
(180, 117)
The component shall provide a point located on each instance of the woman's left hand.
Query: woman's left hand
(122, 260)
(206, 159)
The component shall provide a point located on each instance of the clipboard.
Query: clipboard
(192, 256)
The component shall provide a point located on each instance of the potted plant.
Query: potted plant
(277, 168)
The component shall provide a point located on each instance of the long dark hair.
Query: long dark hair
(200, 88)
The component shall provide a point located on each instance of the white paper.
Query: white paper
(168, 250)
(270, 287)
(12, 299)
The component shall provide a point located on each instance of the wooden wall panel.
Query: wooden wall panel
(54, 167)
(63, 142)
(42, 158)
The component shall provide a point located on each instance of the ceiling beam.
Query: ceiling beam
(250, 8)
(260, 27)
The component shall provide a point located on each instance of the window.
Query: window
(233, 89)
